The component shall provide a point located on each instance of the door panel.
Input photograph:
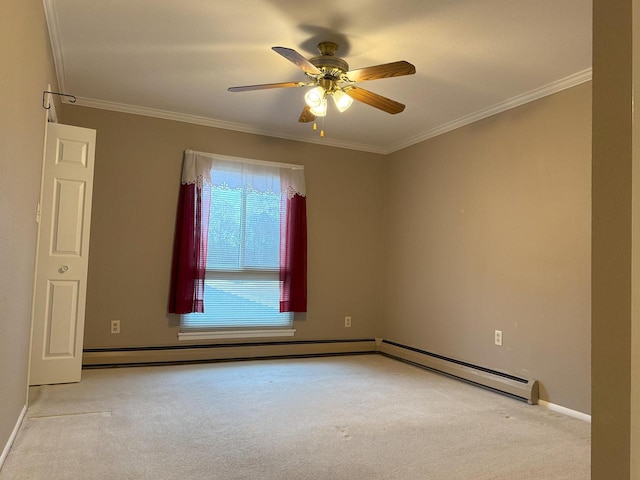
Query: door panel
(69, 199)
(62, 258)
(60, 327)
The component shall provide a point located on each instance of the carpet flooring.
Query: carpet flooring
(352, 417)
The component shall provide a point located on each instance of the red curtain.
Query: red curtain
(293, 255)
(190, 250)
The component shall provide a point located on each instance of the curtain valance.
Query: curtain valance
(250, 174)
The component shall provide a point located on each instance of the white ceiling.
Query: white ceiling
(176, 59)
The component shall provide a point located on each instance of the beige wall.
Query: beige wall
(137, 176)
(488, 228)
(26, 70)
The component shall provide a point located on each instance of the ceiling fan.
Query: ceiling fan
(330, 76)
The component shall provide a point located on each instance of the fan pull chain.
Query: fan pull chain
(315, 128)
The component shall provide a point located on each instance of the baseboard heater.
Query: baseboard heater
(514, 386)
(521, 388)
(130, 356)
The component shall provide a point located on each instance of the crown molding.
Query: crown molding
(549, 89)
(56, 45)
(546, 90)
(211, 122)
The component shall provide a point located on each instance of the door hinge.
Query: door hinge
(38, 213)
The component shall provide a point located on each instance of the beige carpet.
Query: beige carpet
(357, 417)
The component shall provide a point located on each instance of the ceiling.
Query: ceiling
(176, 58)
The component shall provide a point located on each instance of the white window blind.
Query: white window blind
(242, 287)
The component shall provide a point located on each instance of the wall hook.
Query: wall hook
(72, 98)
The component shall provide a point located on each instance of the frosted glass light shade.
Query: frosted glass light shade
(320, 110)
(314, 97)
(342, 100)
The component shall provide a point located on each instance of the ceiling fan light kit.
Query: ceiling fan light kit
(330, 77)
(320, 110)
(342, 100)
(315, 97)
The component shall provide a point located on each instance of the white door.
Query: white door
(62, 255)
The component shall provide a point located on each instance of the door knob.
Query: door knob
(63, 269)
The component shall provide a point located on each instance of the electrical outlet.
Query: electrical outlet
(347, 322)
(498, 337)
(115, 326)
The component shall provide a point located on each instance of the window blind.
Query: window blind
(242, 285)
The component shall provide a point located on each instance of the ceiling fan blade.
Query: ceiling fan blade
(395, 69)
(266, 86)
(298, 59)
(373, 99)
(306, 116)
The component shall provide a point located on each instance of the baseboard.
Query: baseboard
(521, 388)
(112, 357)
(565, 411)
(12, 437)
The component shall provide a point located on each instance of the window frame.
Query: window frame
(243, 273)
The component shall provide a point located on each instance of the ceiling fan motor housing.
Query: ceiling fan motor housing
(333, 67)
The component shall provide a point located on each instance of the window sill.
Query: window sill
(213, 335)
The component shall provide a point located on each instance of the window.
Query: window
(243, 207)
(242, 280)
